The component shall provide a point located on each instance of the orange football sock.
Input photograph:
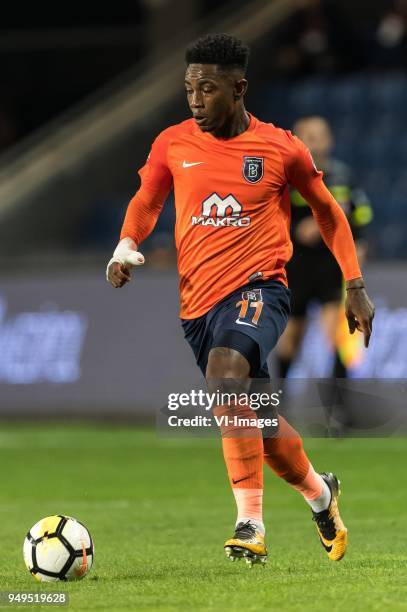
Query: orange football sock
(243, 454)
(312, 485)
(249, 503)
(285, 454)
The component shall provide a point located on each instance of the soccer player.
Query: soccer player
(313, 274)
(230, 173)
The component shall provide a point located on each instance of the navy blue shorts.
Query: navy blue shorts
(249, 320)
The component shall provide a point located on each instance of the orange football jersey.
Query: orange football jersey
(232, 207)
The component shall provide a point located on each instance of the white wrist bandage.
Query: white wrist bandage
(126, 253)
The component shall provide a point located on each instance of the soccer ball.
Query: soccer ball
(58, 548)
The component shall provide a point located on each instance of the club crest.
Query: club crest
(253, 295)
(253, 168)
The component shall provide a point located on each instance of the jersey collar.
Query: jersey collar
(252, 126)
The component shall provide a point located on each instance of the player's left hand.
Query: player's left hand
(359, 311)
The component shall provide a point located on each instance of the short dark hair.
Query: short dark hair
(221, 49)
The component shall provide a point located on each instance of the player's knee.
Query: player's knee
(227, 363)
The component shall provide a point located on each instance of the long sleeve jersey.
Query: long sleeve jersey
(233, 207)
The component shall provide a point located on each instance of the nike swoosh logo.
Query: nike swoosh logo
(327, 548)
(240, 479)
(243, 323)
(188, 165)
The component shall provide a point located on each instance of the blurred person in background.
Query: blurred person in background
(320, 38)
(313, 273)
(390, 37)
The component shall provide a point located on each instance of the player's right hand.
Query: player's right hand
(118, 274)
(125, 257)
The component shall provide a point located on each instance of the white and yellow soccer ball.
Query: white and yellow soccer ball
(58, 548)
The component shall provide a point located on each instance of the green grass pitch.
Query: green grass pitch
(160, 509)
